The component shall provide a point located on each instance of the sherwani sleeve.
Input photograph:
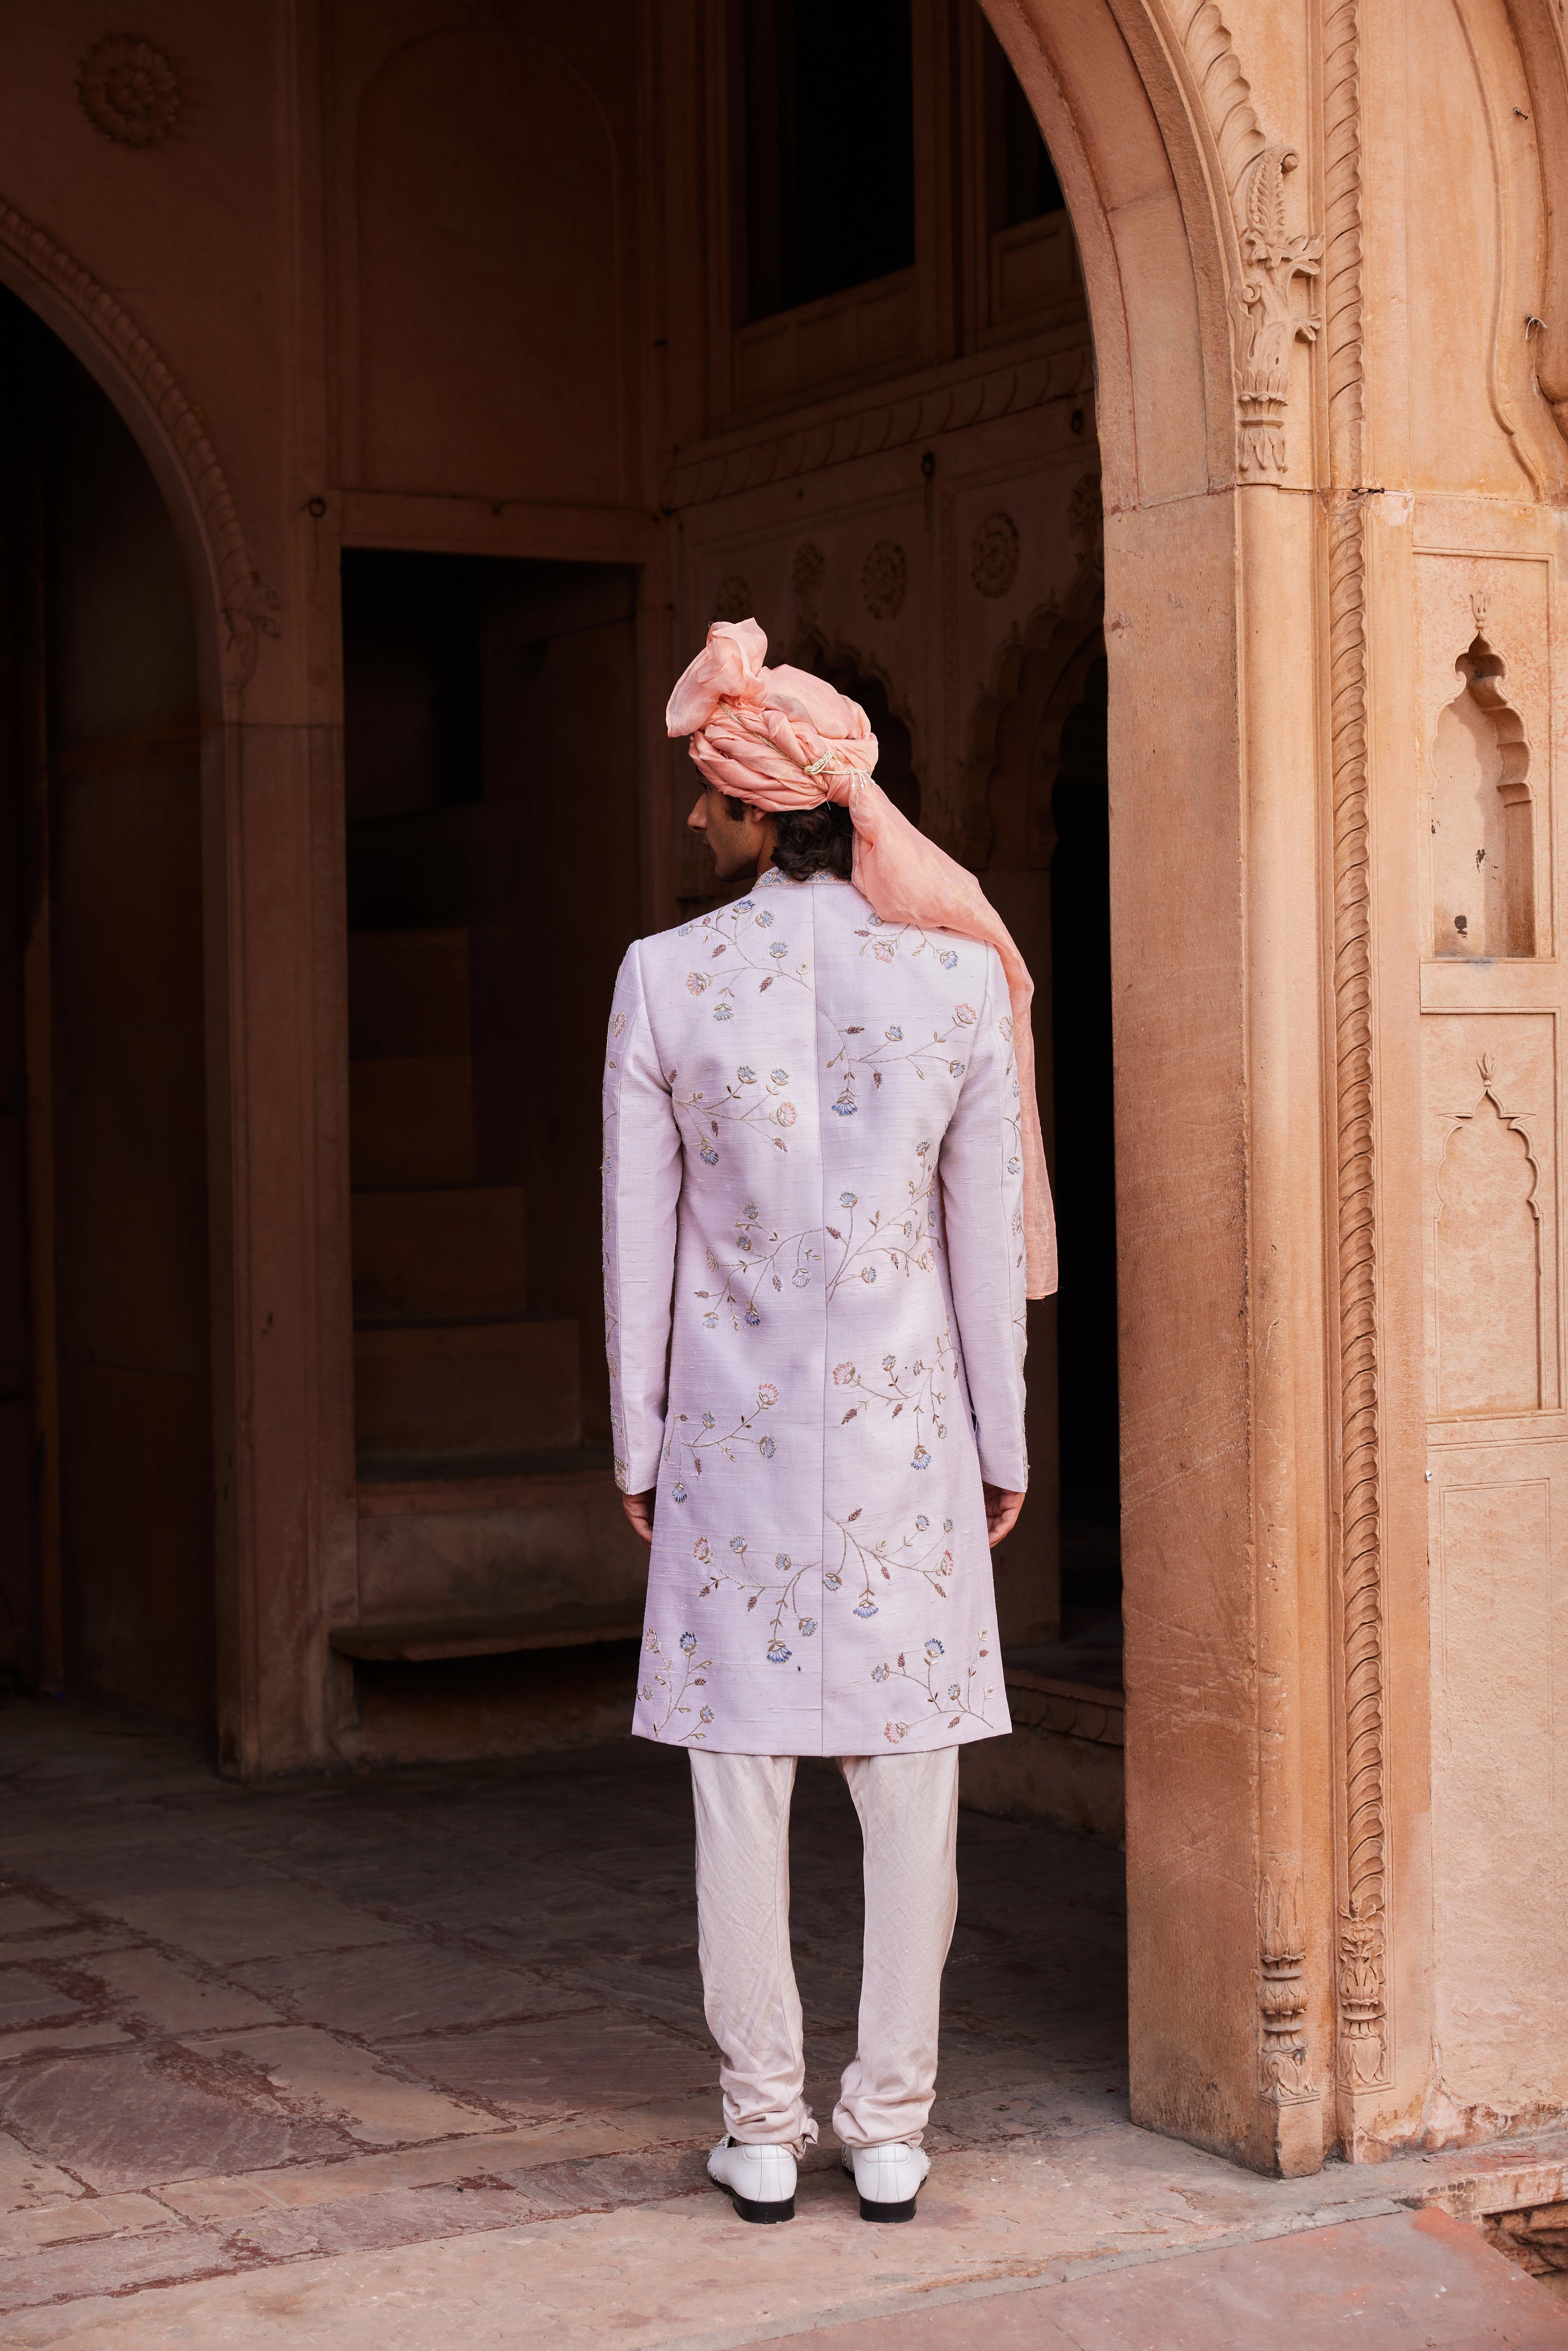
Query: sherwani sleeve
(642, 1189)
(982, 1186)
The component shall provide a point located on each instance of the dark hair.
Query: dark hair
(820, 840)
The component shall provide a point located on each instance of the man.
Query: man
(824, 1203)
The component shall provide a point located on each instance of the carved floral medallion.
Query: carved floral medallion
(128, 90)
(884, 581)
(994, 556)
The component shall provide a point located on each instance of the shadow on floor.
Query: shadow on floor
(241, 2026)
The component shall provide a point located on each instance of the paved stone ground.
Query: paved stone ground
(404, 2061)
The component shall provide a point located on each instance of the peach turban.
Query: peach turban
(783, 739)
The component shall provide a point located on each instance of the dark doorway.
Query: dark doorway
(494, 884)
(1088, 1416)
(106, 1440)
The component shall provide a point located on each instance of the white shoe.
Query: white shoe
(760, 2180)
(889, 2177)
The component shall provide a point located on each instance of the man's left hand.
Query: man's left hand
(1001, 1512)
(639, 1508)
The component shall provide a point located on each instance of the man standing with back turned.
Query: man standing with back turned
(825, 1202)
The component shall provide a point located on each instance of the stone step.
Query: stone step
(411, 1121)
(477, 1388)
(408, 994)
(474, 1559)
(453, 1251)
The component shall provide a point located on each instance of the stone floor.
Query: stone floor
(419, 2058)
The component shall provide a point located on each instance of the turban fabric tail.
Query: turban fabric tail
(783, 739)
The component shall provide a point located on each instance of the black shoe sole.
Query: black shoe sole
(784, 2209)
(871, 2210)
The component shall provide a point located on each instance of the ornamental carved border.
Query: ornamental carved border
(248, 608)
(1362, 1953)
(1266, 261)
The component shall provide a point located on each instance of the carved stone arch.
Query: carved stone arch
(233, 607)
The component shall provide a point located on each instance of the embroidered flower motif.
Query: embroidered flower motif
(779, 1077)
(702, 1550)
(873, 922)
(808, 1626)
(738, 1543)
(678, 1492)
(753, 1318)
(751, 1212)
(697, 982)
(890, 1364)
(842, 1372)
(688, 1642)
(744, 905)
(650, 1640)
(1005, 1026)
(778, 1655)
(766, 1447)
(868, 1273)
(786, 1114)
(746, 1075)
(922, 1524)
(946, 1526)
(1013, 1165)
(920, 1458)
(617, 1023)
(879, 1673)
(933, 1647)
(706, 1151)
(965, 1015)
(781, 1559)
(883, 951)
(947, 959)
(894, 1035)
(846, 1104)
(685, 931)
(849, 1199)
(866, 1608)
(725, 1010)
(894, 1731)
(710, 1321)
(951, 1689)
(705, 1714)
(764, 920)
(767, 1393)
(645, 1691)
(799, 1280)
(778, 949)
(955, 1069)
(832, 1583)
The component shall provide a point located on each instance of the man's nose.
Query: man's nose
(697, 820)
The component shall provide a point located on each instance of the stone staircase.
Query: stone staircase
(486, 1523)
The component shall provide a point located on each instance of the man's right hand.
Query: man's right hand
(639, 1508)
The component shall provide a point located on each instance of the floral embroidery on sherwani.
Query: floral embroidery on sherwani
(814, 1315)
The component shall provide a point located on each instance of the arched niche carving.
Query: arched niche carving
(1483, 818)
(1015, 737)
(1488, 1261)
(491, 356)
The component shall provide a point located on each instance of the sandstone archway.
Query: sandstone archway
(1167, 170)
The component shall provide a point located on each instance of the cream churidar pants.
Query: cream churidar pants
(908, 1807)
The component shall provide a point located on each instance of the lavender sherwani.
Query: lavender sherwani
(813, 1213)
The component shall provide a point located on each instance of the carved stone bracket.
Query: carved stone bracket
(1265, 260)
(1267, 321)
